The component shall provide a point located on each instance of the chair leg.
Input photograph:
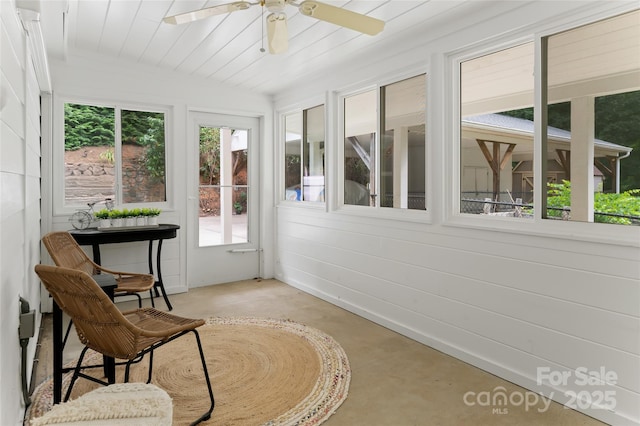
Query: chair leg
(139, 300)
(207, 415)
(66, 335)
(150, 366)
(153, 304)
(76, 374)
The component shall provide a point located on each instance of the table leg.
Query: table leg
(159, 283)
(96, 254)
(57, 353)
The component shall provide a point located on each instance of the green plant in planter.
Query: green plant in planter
(237, 207)
(127, 213)
(115, 214)
(102, 214)
(153, 212)
(136, 212)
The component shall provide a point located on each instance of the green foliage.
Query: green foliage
(108, 155)
(626, 203)
(558, 197)
(135, 125)
(209, 155)
(616, 121)
(116, 214)
(88, 125)
(102, 214)
(149, 211)
(154, 142)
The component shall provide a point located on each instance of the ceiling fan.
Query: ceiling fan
(277, 35)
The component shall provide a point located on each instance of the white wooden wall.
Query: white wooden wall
(504, 295)
(20, 205)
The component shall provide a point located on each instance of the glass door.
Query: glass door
(223, 215)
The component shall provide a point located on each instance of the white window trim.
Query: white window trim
(402, 215)
(58, 171)
(625, 235)
(281, 114)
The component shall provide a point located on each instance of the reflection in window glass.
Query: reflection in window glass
(497, 129)
(293, 156)
(304, 155)
(402, 150)
(598, 155)
(313, 149)
(360, 122)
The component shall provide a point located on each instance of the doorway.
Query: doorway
(223, 244)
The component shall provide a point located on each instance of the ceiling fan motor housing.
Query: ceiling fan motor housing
(275, 6)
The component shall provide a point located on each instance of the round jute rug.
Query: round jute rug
(263, 372)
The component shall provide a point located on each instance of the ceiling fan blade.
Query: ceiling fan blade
(343, 17)
(195, 15)
(277, 34)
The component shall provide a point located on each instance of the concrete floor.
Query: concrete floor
(395, 380)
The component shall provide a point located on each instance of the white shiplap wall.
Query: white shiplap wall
(506, 296)
(20, 205)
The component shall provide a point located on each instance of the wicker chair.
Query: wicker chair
(101, 326)
(65, 251)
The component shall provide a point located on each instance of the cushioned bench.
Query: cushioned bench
(117, 404)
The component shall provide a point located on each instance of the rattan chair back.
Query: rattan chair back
(99, 323)
(65, 251)
(101, 326)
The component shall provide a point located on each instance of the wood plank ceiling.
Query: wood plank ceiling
(226, 48)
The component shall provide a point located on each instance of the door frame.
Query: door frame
(250, 251)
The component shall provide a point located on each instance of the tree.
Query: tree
(153, 141)
(210, 155)
(616, 121)
(88, 125)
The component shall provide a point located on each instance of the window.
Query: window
(359, 149)
(223, 186)
(391, 173)
(111, 152)
(304, 155)
(592, 96)
(497, 133)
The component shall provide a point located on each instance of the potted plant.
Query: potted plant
(152, 216)
(129, 217)
(117, 219)
(141, 219)
(104, 221)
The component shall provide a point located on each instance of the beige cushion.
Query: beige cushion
(118, 404)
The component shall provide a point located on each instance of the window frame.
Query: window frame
(60, 208)
(303, 142)
(398, 214)
(280, 151)
(573, 230)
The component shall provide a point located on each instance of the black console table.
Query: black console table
(94, 237)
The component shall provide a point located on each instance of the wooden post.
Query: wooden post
(495, 161)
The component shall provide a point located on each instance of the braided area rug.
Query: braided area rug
(263, 372)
